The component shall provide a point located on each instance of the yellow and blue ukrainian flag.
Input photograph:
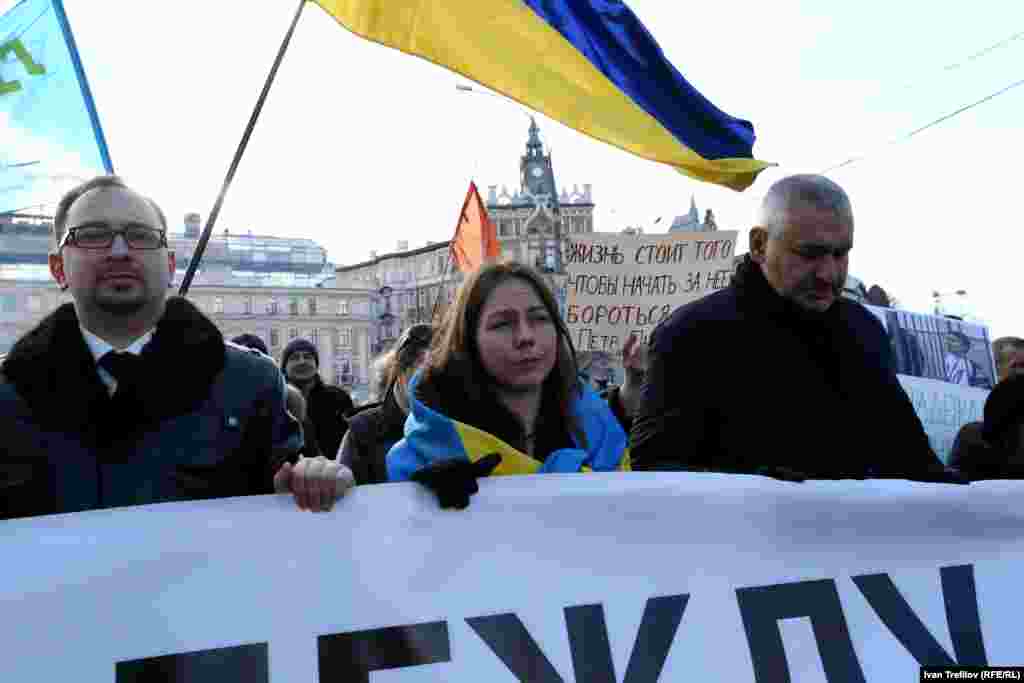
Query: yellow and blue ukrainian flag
(590, 64)
(431, 436)
(50, 134)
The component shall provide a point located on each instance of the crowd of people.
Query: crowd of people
(129, 396)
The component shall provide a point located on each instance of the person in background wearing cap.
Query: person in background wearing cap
(294, 401)
(327, 406)
(129, 397)
(999, 453)
(376, 427)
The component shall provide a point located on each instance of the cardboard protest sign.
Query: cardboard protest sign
(620, 285)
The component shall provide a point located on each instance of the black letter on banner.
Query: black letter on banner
(588, 640)
(762, 607)
(352, 656)
(961, 614)
(238, 663)
(657, 631)
(508, 638)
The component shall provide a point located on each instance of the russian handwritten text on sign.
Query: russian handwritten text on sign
(622, 285)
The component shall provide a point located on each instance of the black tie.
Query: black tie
(123, 416)
(126, 369)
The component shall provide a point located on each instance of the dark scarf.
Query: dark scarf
(825, 335)
(54, 372)
(757, 295)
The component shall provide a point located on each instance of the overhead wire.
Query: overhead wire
(952, 66)
(930, 124)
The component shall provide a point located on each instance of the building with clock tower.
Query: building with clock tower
(413, 285)
(531, 220)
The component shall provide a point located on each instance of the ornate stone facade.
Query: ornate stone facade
(530, 220)
(410, 286)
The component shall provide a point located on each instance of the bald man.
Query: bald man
(777, 374)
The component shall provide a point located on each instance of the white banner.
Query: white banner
(596, 578)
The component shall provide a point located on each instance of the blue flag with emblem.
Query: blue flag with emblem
(50, 134)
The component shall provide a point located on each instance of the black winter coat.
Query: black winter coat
(213, 423)
(743, 378)
(327, 407)
(976, 459)
(372, 431)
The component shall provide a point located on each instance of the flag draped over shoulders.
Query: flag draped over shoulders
(50, 134)
(431, 436)
(590, 64)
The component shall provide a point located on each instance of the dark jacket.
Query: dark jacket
(327, 407)
(975, 458)
(743, 378)
(310, 445)
(213, 423)
(992, 449)
(372, 430)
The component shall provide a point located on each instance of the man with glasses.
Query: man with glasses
(128, 397)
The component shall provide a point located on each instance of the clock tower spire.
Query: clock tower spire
(536, 175)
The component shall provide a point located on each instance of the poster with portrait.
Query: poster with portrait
(946, 367)
(940, 348)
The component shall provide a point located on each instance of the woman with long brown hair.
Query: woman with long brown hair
(499, 393)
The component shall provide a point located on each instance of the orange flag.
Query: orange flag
(476, 240)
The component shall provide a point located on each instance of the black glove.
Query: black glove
(939, 475)
(780, 473)
(454, 480)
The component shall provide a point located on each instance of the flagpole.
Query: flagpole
(444, 280)
(212, 218)
(83, 84)
(451, 255)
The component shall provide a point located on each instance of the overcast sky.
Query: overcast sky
(359, 147)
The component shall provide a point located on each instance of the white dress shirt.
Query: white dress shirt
(100, 348)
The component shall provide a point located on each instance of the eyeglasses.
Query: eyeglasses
(102, 237)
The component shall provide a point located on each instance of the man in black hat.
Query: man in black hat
(327, 406)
